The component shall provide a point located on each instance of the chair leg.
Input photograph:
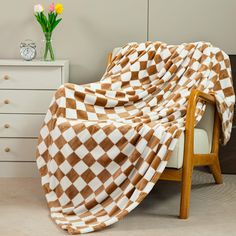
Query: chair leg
(215, 167)
(216, 171)
(185, 194)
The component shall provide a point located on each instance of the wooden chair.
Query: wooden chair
(190, 159)
(192, 153)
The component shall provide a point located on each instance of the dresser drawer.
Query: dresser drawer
(30, 77)
(12, 149)
(25, 101)
(17, 125)
(18, 169)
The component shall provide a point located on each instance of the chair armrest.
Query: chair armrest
(112, 54)
(109, 58)
(190, 119)
(193, 99)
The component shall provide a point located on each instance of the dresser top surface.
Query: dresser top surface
(20, 62)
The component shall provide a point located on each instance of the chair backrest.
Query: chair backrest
(207, 121)
(115, 52)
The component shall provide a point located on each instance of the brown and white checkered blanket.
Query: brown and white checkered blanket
(104, 145)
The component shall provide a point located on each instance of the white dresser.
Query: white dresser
(26, 90)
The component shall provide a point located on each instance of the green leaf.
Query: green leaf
(45, 20)
(49, 21)
(56, 23)
(38, 18)
(49, 17)
(54, 18)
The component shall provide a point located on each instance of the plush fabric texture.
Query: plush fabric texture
(104, 145)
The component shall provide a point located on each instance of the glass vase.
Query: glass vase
(48, 52)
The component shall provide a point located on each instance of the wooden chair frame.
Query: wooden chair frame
(184, 175)
(191, 160)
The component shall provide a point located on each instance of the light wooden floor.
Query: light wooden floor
(213, 210)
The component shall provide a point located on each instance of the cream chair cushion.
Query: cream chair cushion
(201, 146)
(203, 134)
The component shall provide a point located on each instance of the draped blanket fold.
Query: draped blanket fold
(103, 146)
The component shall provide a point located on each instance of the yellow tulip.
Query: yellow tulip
(59, 8)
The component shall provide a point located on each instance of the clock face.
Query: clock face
(28, 53)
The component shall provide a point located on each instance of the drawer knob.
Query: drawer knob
(6, 77)
(6, 101)
(7, 149)
(7, 126)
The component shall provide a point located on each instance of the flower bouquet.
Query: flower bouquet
(48, 24)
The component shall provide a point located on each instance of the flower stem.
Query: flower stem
(48, 48)
(51, 51)
(46, 51)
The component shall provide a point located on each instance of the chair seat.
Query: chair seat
(201, 146)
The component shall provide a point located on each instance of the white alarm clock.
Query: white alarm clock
(28, 50)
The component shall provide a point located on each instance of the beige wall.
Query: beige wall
(177, 21)
(91, 28)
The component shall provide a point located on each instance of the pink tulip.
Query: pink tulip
(52, 7)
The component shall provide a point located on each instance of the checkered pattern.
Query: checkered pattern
(104, 145)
